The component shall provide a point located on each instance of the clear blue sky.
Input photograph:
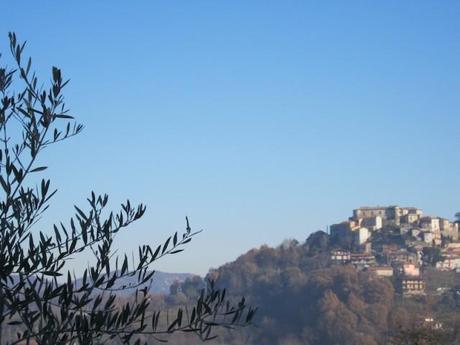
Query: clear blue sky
(260, 120)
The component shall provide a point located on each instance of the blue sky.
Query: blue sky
(260, 120)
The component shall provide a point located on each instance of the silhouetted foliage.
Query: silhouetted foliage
(317, 242)
(457, 217)
(432, 255)
(39, 298)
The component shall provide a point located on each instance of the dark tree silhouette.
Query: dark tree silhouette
(457, 217)
(419, 335)
(39, 297)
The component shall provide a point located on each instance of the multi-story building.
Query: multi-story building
(382, 271)
(410, 218)
(362, 260)
(451, 263)
(340, 256)
(411, 286)
(449, 229)
(372, 223)
(431, 223)
(349, 233)
(451, 258)
(406, 269)
(387, 213)
(400, 256)
(360, 235)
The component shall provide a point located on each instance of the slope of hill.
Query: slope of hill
(304, 299)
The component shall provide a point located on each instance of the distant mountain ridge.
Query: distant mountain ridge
(161, 281)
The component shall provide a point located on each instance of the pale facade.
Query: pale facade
(428, 237)
(449, 264)
(412, 286)
(449, 229)
(362, 260)
(410, 218)
(400, 256)
(358, 235)
(388, 213)
(430, 223)
(383, 271)
(451, 255)
(340, 256)
(411, 270)
(372, 223)
(361, 235)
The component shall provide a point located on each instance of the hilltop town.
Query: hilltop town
(397, 242)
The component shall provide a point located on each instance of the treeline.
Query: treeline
(303, 299)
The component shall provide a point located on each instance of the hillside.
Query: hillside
(306, 299)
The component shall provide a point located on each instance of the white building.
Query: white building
(428, 237)
(430, 223)
(411, 270)
(382, 271)
(372, 223)
(361, 235)
(449, 264)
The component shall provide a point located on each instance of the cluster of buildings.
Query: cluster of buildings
(450, 258)
(393, 241)
(405, 274)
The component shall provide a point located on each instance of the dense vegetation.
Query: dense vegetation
(305, 300)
